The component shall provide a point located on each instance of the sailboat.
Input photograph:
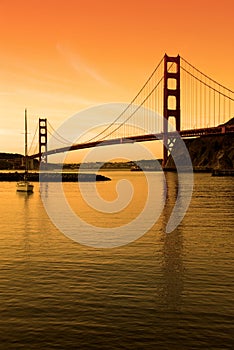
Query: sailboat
(25, 185)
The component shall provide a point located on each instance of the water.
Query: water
(163, 291)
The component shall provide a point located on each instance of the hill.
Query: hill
(209, 152)
(10, 161)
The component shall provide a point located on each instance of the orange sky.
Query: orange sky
(58, 57)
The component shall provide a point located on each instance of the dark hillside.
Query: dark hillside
(209, 152)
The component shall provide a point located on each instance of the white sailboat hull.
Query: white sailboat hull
(24, 186)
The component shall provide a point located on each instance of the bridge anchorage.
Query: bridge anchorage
(188, 102)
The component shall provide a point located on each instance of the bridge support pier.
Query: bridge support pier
(43, 139)
(171, 100)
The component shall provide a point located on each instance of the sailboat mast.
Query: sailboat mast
(26, 141)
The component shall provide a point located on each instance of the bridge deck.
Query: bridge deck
(220, 130)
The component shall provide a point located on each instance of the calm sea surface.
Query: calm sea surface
(163, 291)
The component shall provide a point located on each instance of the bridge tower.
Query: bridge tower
(171, 101)
(43, 139)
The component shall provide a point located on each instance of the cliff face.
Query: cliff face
(208, 152)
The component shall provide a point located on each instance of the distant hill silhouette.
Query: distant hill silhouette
(10, 155)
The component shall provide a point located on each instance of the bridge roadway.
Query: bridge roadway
(219, 130)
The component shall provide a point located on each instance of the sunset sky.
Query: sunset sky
(59, 57)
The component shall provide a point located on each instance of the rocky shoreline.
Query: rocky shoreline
(53, 177)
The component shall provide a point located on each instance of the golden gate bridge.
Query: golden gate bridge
(190, 103)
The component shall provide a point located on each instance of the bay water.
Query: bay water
(161, 291)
